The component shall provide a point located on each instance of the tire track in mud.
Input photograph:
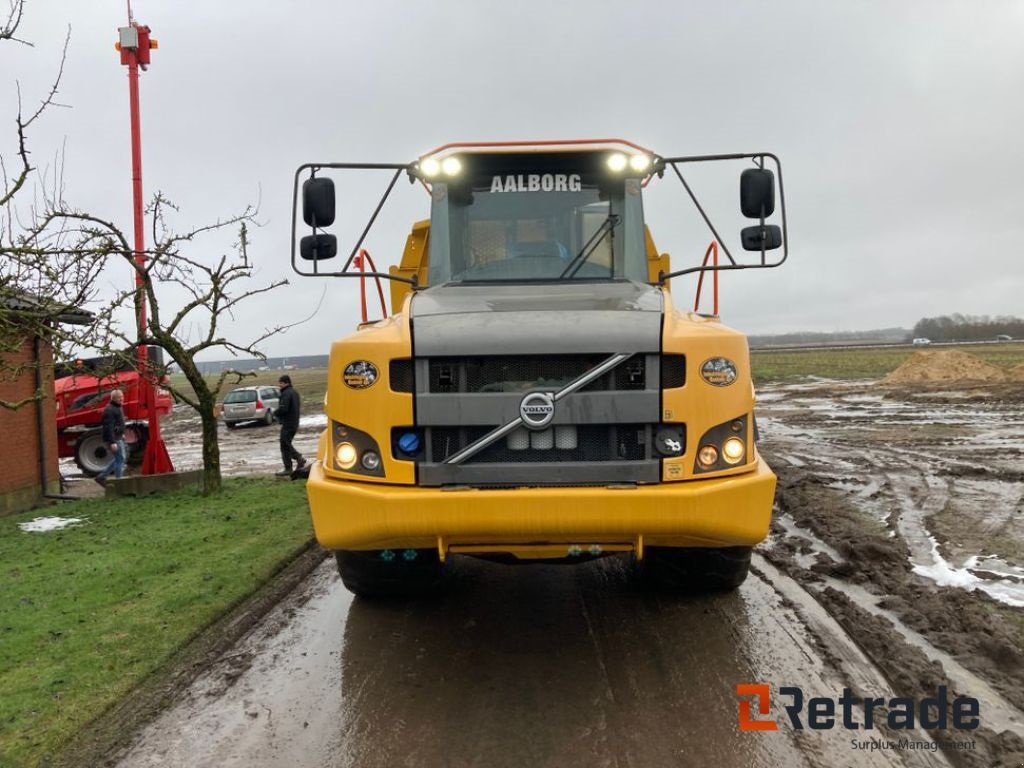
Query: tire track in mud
(901, 486)
(870, 492)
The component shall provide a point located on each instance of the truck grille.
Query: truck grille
(522, 373)
(561, 443)
(602, 433)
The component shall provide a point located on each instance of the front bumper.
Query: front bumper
(722, 512)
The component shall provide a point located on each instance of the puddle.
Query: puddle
(803, 538)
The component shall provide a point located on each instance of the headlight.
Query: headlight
(707, 455)
(617, 162)
(733, 450)
(350, 449)
(345, 455)
(370, 460)
(640, 163)
(722, 447)
(430, 167)
(451, 166)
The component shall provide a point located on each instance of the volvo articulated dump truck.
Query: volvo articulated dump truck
(538, 394)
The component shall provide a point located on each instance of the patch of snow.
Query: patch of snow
(946, 575)
(316, 420)
(44, 524)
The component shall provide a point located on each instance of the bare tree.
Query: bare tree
(52, 258)
(41, 284)
(212, 289)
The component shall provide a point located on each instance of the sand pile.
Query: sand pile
(1017, 373)
(945, 365)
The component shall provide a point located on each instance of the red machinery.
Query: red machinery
(134, 44)
(82, 392)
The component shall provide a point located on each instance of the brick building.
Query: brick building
(28, 450)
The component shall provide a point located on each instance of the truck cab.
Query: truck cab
(537, 393)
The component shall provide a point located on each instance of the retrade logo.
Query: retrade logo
(537, 409)
(763, 695)
(817, 713)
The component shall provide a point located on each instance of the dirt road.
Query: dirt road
(894, 567)
(536, 666)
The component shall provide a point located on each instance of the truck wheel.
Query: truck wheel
(695, 569)
(92, 455)
(390, 572)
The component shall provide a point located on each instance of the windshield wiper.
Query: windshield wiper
(590, 246)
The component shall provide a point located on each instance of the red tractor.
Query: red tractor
(82, 392)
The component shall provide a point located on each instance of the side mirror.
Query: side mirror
(318, 247)
(767, 237)
(757, 193)
(318, 202)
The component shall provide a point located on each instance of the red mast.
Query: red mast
(134, 44)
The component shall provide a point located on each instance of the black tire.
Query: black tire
(695, 569)
(92, 455)
(268, 418)
(390, 573)
(231, 424)
(136, 446)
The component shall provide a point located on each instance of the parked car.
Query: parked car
(921, 342)
(250, 404)
(1004, 337)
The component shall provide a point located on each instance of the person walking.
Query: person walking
(113, 436)
(288, 414)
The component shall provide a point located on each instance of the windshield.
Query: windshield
(241, 396)
(561, 221)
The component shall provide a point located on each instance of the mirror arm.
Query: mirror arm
(373, 218)
(313, 168)
(707, 221)
(382, 275)
(722, 268)
(756, 156)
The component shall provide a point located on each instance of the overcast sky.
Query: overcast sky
(899, 125)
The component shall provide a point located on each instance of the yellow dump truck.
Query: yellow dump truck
(538, 393)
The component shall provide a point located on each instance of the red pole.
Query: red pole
(134, 46)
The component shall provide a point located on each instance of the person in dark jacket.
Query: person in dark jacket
(113, 436)
(288, 414)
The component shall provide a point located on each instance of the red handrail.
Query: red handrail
(359, 262)
(711, 251)
(541, 143)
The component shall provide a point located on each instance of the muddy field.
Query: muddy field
(249, 449)
(895, 565)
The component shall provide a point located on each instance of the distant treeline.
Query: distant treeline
(959, 327)
(879, 336)
(271, 364)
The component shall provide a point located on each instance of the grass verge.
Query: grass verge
(88, 612)
(863, 363)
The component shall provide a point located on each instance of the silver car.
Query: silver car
(250, 404)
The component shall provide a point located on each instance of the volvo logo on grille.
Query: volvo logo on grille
(537, 409)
